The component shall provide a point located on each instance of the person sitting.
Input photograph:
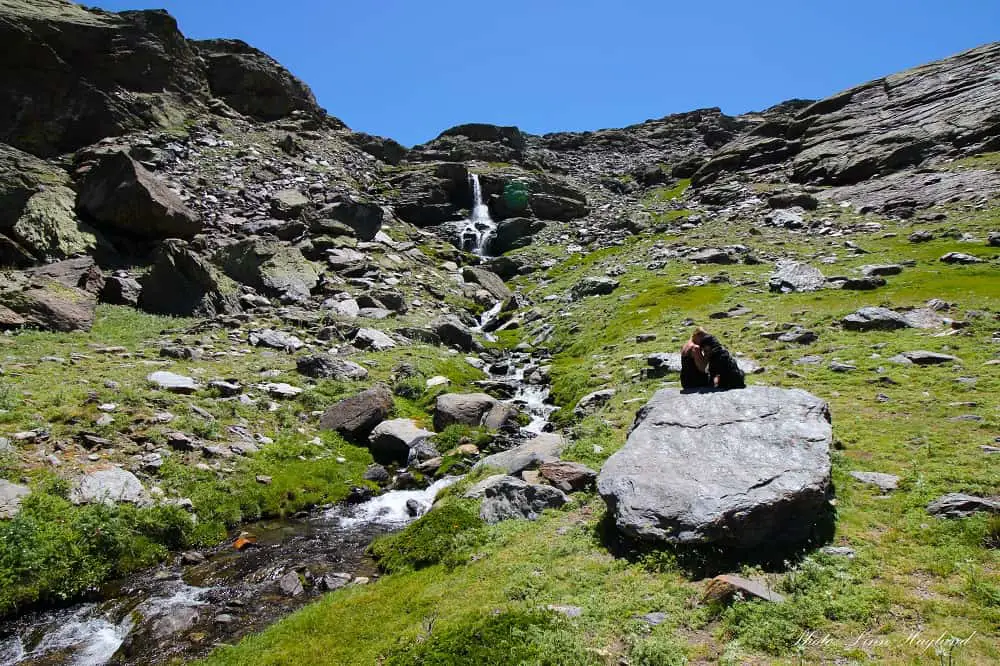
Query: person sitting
(723, 369)
(694, 368)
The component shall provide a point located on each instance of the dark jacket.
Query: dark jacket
(721, 364)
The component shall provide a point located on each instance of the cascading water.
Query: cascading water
(480, 228)
(172, 613)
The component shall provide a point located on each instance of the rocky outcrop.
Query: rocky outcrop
(104, 74)
(475, 141)
(271, 267)
(252, 82)
(11, 495)
(945, 108)
(184, 284)
(119, 194)
(38, 220)
(794, 276)
(739, 469)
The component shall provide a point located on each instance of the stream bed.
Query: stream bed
(185, 608)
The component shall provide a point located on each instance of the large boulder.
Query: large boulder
(273, 268)
(392, 440)
(355, 417)
(183, 283)
(462, 408)
(738, 469)
(252, 82)
(120, 195)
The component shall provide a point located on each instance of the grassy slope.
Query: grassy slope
(55, 551)
(912, 573)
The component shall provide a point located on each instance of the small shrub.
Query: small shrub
(512, 637)
(435, 537)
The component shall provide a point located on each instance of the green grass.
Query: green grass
(912, 573)
(663, 194)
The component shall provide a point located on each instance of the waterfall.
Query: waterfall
(480, 228)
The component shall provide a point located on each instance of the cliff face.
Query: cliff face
(74, 76)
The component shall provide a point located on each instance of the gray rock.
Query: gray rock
(875, 319)
(920, 357)
(478, 491)
(271, 267)
(324, 366)
(121, 290)
(787, 219)
(462, 408)
(593, 286)
(275, 340)
(174, 620)
(32, 299)
(393, 440)
(793, 276)
(993, 239)
(725, 588)
(376, 473)
(170, 381)
(357, 416)
(838, 551)
(108, 486)
(509, 498)
(372, 338)
(290, 584)
(960, 258)
(921, 236)
(288, 204)
(591, 402)
(453, 332)
(960, 505)
(839, 366)
(488, 280)
(11, 495)
(739, 469)
(881, 270)
(884, 482)
(251, 82)
(711, 256)
(421, 453)
(544, 448)
(866, 283)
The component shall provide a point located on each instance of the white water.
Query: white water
(85, 638)
(479, 229)
(90, 635)
(390, 508)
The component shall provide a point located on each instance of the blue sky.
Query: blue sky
(409, 69)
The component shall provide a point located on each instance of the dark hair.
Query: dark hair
(709, 341)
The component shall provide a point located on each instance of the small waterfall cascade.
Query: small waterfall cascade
(480, 228)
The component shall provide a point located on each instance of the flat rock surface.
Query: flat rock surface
(740, 468)
(544, 448)
(108, 486)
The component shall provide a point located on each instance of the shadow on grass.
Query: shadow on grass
(698, 561)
